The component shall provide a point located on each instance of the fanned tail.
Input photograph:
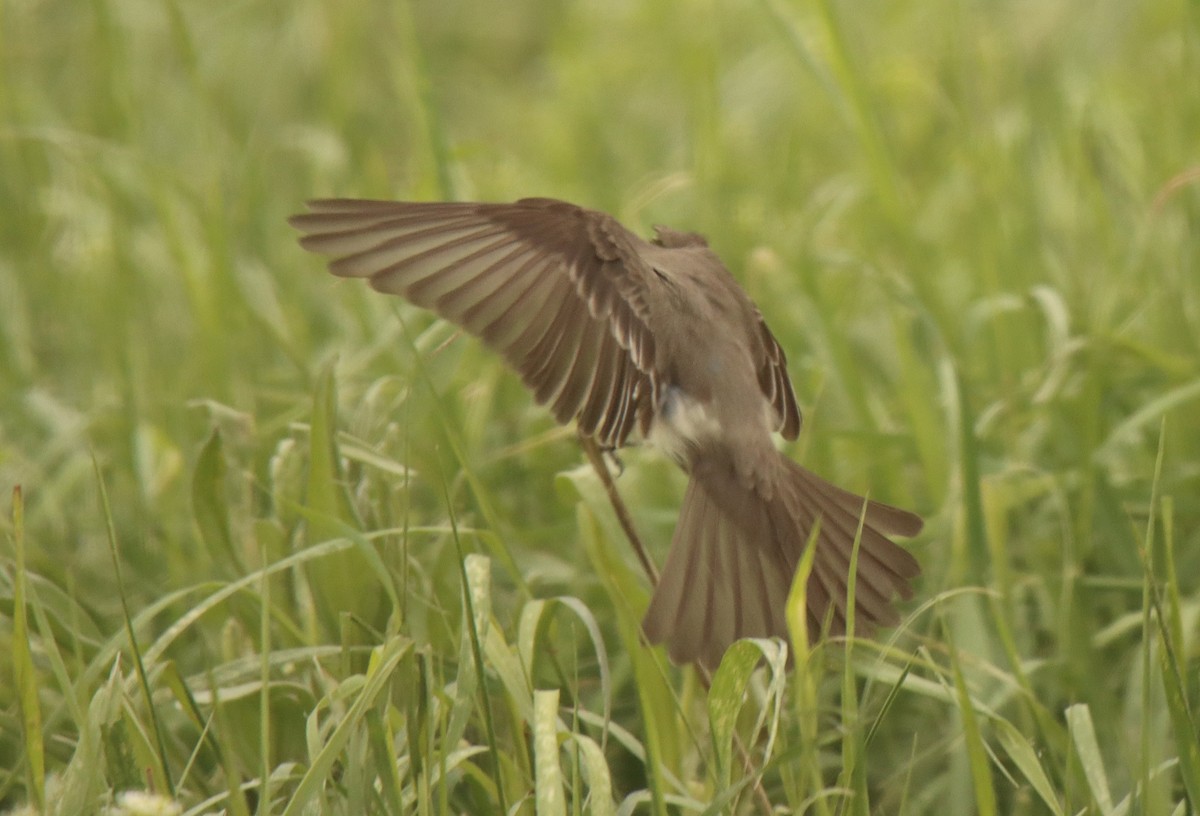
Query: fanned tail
(734, 554)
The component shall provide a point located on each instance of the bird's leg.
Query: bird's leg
(595, 455)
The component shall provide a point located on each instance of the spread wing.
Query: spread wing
(559, 291)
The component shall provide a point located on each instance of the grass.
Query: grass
(357, 571)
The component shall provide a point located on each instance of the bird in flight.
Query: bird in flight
(650, 339)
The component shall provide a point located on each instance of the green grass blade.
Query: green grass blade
(82, 783)
(384, 661)
(1172, 667)
(969, 452)
(225, 592)
(656, 701)
(503, 659)
(809, 668)
(24, 675)
(264, 699)
(726, 697)
(482, 495)
(345, 585)
(598, 776)
(475, 577)
(548, 781)
(210, 505)
(1025, 757)
(1083, 737)
(853, 775)
(387, 762)
(164, 767)
(1153, 410)
(977, 754)
(534, 616)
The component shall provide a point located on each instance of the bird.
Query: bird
(649, 341)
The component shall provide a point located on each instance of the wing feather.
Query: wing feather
(558, 290)
(775, 384)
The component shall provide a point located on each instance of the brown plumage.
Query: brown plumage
(621, 335)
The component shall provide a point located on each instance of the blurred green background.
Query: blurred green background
(974, 227)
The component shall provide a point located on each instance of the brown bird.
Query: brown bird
(621, 335)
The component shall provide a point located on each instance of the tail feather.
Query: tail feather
(883, 568)
(883, 517)
(734, 555)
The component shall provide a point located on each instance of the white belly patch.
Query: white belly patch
(681, 425)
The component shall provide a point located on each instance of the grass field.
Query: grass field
(283, 545)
